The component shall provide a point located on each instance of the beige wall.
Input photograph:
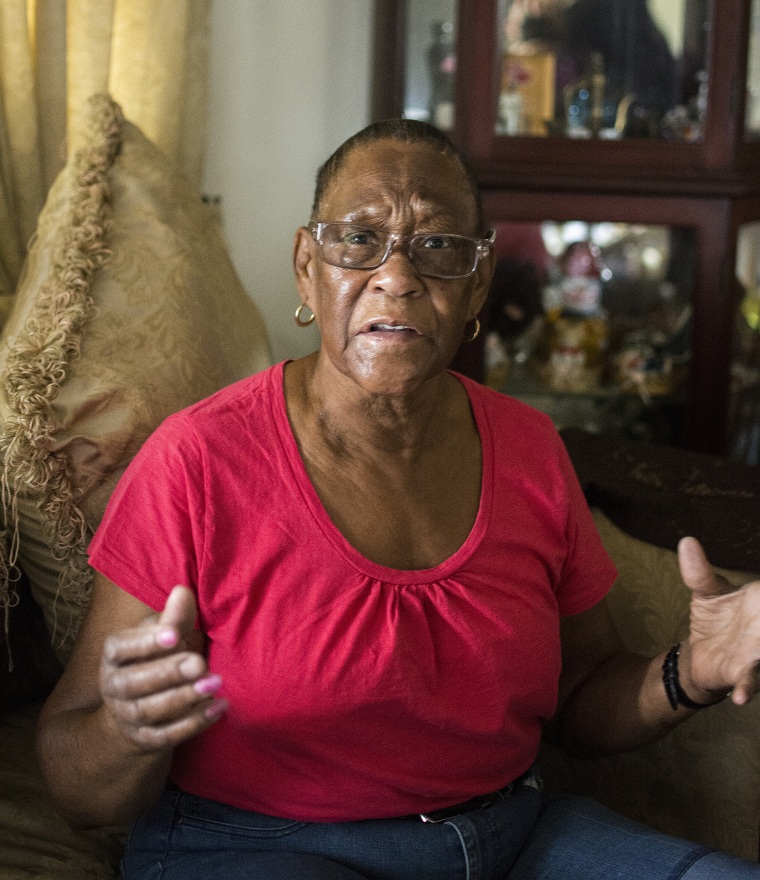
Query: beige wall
(289, 81)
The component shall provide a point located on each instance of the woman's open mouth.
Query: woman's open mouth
(391, 328)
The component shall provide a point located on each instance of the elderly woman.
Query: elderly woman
(375, 554)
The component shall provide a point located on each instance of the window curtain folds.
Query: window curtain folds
(151, 56)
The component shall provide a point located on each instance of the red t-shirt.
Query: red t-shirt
(356, 691)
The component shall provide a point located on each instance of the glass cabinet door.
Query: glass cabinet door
(430, 61)
(602, 68)
(591, 323)
(752, 108)
(744, 411)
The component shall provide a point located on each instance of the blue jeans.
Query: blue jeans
(524, 836)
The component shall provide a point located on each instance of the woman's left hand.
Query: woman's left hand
(722, 652)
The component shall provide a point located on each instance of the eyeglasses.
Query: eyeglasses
(435, 255)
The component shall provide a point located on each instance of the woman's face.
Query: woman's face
(389, 328)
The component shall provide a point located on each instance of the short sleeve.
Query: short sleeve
(588, 572)
(151, 535)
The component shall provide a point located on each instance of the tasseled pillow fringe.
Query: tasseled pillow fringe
(37, 364)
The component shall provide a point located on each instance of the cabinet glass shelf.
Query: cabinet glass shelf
(591, 323)
(606, 69)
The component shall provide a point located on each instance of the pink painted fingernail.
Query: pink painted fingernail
(208, 685)
(215, 709)
(167, 638)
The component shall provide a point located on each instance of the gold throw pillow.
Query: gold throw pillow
(128, 310)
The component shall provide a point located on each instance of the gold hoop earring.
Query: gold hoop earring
(474, 334)
(308, 321)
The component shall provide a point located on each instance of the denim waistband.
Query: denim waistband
(186, 837)
(530, 779)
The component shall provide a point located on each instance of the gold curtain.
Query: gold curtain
(150, 55)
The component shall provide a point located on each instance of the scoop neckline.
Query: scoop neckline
(359, 561)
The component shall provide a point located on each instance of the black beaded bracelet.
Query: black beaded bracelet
(676, 695)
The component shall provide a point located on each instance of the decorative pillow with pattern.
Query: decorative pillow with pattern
(128, 310)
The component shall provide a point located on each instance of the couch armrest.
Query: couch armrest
(659, 493)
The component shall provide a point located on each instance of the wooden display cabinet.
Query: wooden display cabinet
(707, 181)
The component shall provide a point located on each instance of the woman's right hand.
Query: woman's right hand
(154, 680)
(136, 685)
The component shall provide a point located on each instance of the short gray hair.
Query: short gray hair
(409, 131)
